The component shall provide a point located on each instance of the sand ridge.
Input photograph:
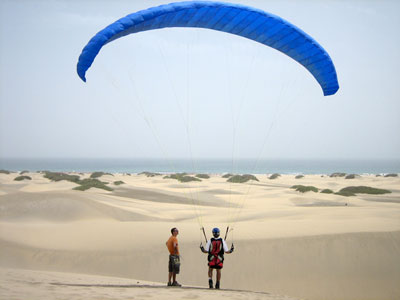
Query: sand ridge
(311, 245)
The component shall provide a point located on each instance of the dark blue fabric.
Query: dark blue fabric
(241, 20)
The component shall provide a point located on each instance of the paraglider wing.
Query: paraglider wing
(241, 20)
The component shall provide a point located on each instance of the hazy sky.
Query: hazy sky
(194, 92)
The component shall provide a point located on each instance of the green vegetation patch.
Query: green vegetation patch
(99, 174)
(57, 176)
(228, 175)
(304, 188)
(299, 176)
(20, 178)
(119, 182)
(4, 172)
(242, 178)
(363, 190)
(149, 174)
(84, 184)
(326, 191)
(274, 176)
(23, 172)
(391, 175)
(88, 183)
(203, 176)
(337, 174)
(351, 176)
(182, 177)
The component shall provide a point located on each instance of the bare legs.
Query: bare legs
(210, 275)
(210, 272)
(171, 275)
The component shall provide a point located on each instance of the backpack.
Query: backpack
(216, 253)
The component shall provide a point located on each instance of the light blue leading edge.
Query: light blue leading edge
(241, 20)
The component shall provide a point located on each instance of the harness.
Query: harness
(216, 253)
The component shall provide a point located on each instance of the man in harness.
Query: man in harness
(215, 248)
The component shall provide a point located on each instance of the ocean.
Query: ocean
(211, 166)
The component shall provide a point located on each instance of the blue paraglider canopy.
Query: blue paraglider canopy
(248, 22)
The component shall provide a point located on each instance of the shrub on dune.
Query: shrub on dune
(57, 176)
(84, 184)
(326, 191)
(119, 182)
(182, 177)
(242, 178)
(88, 183)
(4, 172)
(188, 178)
(304, 188)
(175, 175)
(23, 172)
(337, 174)
(351, 176)
(274, 176)
(99, 174)
(149, 174)
(228, 175)
(299, 176)
(203, 176)
(363, 190)
(20, 178)
(391, 175)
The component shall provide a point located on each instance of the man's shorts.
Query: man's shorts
(174, 264)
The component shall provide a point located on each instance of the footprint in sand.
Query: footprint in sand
(190, 296)
(144, 296)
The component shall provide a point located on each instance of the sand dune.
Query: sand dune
(169, 197)
(61, 207)
(312, 245)
(347, 266)
(54, 285)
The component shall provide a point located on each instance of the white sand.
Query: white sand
(27, 284)
(312, 245)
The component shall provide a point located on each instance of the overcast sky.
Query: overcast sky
(197, 93)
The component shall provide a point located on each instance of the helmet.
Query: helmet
(215, 231)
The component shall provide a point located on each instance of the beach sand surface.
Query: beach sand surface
(59, 243)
